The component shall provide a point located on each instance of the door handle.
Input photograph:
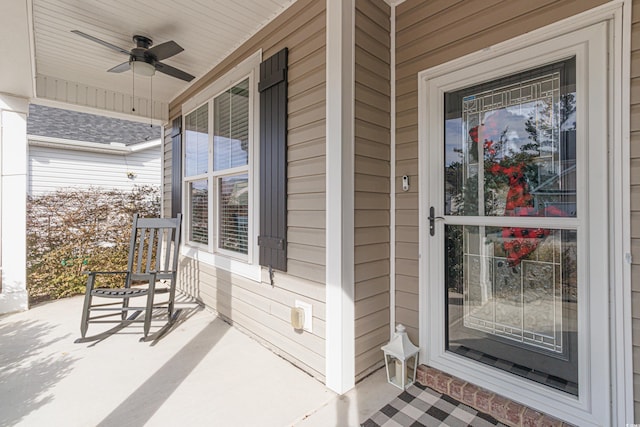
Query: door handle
(432, 220)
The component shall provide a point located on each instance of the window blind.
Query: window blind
(231, 127)
(199, 201)
(197, 141)
(234, 213)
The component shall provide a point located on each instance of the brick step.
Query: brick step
(501, 408)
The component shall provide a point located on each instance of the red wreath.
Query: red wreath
(518, 242)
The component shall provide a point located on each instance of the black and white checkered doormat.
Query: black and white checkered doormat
(420, 406)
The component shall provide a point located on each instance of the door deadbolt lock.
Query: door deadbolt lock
(432, 220)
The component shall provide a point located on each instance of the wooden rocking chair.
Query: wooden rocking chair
(153, 258)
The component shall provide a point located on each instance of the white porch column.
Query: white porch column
(13, 193)
(340, 334)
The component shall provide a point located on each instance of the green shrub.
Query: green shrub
(71, 231)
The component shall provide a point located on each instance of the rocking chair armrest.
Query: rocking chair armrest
(144, 276)
(91, 277)
(93, 273)
(164, 272)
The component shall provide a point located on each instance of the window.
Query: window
(217, 176)
(195, 169)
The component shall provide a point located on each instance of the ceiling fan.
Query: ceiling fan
(144, 59)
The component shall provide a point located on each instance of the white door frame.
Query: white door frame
(579, 34)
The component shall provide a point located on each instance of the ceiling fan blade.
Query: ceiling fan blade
(165, 50)
(102, 42)
(125, 66)
(174, 72)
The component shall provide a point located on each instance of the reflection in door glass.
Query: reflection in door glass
(510, 148)
(517, 316)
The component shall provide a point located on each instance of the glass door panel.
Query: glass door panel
(511, 285)
(510, 150)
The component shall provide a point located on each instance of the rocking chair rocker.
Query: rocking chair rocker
(153, 258)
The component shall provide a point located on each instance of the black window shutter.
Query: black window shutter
(273, 161)
(176, 167)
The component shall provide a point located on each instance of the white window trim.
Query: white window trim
(242, 265)
(592, 408)
(232, 265)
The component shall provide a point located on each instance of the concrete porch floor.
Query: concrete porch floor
(202, 373)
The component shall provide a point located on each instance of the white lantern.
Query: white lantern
(401, 359)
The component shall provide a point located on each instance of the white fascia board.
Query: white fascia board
(14, 103)
(15, 27)
(96, 147)
(145, 145)
(32, 47)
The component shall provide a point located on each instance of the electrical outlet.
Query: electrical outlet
(308, 314)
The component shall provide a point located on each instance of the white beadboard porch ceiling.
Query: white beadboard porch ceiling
(208, 30)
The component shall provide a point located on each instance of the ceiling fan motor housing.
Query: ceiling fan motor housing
(142, 41)
(140, 52)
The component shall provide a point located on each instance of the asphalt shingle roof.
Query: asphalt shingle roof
(66, 124)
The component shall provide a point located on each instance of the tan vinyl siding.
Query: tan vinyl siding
(635, 200)
(428, 34)
(258, 308)
(262, 311)
(372, 173)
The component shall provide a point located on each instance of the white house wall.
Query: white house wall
(54, 168)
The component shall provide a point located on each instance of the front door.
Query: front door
(514, 204)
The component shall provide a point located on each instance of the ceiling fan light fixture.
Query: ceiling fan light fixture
(142, 68)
